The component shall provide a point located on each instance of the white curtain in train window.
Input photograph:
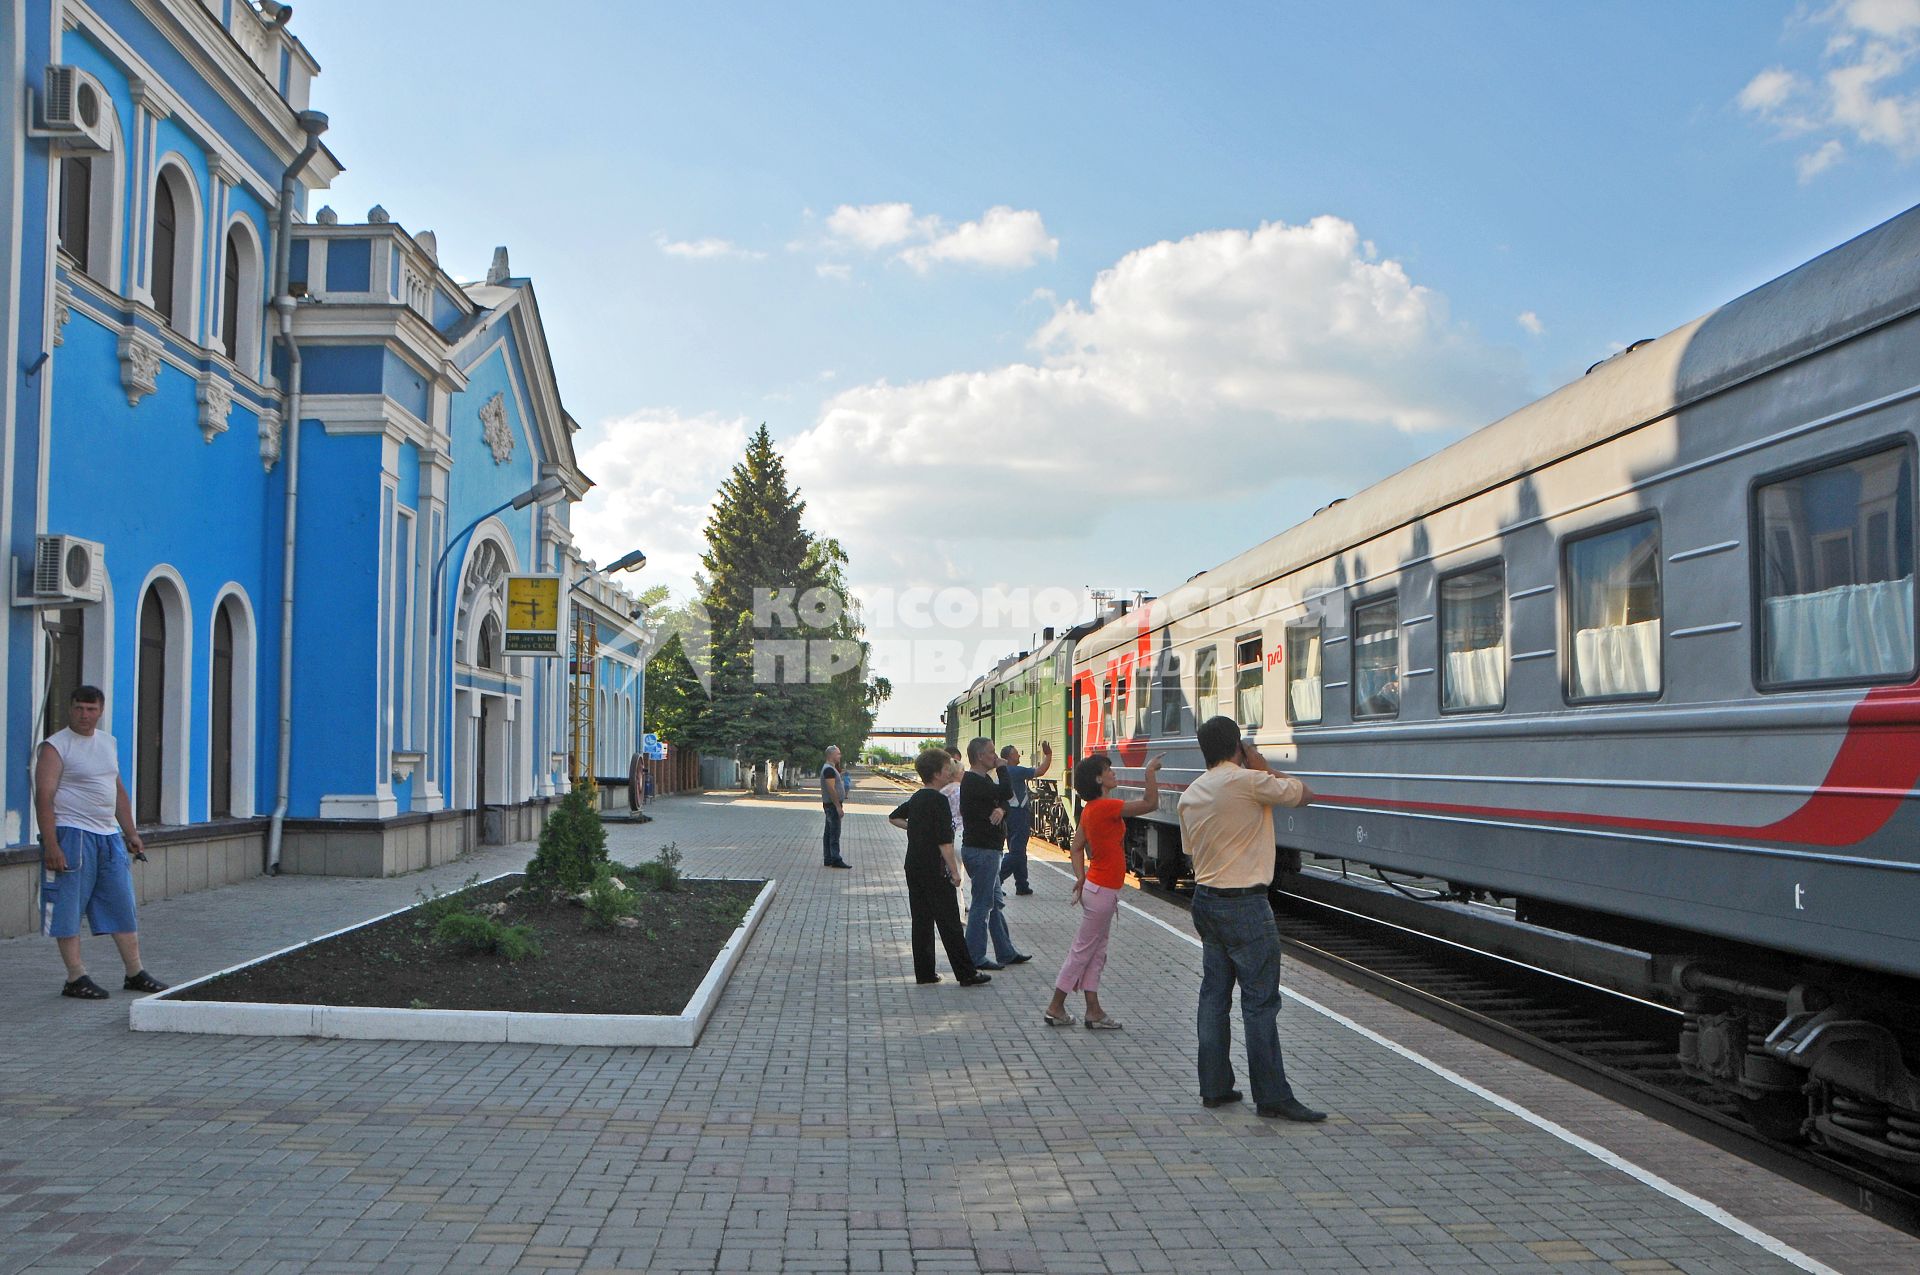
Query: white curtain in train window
(1473, 639)
(1852, 630)
(1613, 582)
(1303, 673)
(1376, 659)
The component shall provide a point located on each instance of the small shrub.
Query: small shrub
(608, 899)
(573, 845)
(436, 907)
(662, 872)
(472, 932)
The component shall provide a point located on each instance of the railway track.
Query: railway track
(1615, 1045)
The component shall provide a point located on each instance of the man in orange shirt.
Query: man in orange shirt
(1226, 825)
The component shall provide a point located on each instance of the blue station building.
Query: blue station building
(195, 357)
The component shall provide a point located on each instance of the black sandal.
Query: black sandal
(84, 989)
(143, 982)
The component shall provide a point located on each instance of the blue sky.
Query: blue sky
(1245, 258)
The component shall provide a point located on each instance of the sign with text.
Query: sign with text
(533, 615)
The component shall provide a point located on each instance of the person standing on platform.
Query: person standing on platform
(933, 873)
(87, 842)
(833, 796)
(983, 815)
(1020, 812)
(1226, 825)
(1100, 871)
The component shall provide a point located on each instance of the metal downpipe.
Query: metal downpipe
(314, 124)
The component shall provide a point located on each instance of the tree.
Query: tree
(675, 698)
(763, 709)
(852, 700)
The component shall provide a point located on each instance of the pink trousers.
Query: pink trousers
(1081, 972)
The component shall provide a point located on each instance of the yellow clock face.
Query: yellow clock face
(533, 602)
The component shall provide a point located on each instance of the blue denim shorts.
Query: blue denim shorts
(98, 881)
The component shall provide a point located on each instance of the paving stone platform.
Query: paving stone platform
(834, 1117)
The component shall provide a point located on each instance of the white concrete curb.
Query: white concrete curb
(163, 1013)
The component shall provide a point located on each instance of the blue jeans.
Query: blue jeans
(985, 916)
(1019, 828)
(830, 840)
(1239, 943)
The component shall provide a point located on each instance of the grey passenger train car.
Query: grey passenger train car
(1641, 656)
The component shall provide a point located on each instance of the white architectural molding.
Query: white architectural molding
(372, 805)
(62, 311)
(269, 438)
(216, 402)
(140, 360)
(494, 429)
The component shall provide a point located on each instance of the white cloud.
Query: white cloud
(1531, 322)
(1005, 238)
(1214, 366)
(874, 226)
(1819, 160)
(837, 271)
(655, 473)
(706, 249)
(1865, 90)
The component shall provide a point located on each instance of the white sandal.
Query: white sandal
(1066, 1019)
(1104, 1023)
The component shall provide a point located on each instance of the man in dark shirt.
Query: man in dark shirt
(933, 870)
(983, 812)
(833, 796)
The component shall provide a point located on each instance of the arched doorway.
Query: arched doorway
(149, 731)
(488, 764)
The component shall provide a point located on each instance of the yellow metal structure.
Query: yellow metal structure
(583, 694)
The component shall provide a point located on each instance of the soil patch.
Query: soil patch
(653, 968)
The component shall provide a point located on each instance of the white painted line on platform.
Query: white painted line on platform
(1705, 1208)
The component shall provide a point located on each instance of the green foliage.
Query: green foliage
(471, 932)
(675, 698)
(573, 845)
(435, 907)
(609, 898)
(662, 872)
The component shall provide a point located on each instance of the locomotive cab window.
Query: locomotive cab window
(1836, 573)
(1249, 684)
(1303, 674)
(1613, 612)
(1473, 640)
(1206, 683)
(1376, 658)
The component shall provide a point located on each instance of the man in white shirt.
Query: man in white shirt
(87, 842)
(1226, 825)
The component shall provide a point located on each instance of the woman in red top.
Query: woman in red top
(1100, 870)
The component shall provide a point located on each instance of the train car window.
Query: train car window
(1206, 683)
(1249, 684)
(1613, 610)
(1303, 674)
(1473, 640)
(1836, 576)
(1172, 703)
(1118, 729)
(1142, 700)
(1376, 658)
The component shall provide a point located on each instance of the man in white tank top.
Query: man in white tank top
(82, 811)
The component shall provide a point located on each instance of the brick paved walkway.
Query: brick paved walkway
(835, 1117)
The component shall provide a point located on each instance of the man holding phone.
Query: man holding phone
(87, 840)
(1226, 825)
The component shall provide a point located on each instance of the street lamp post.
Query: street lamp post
(583, 686)
(544, 492)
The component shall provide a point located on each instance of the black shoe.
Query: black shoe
(84, 989)
(143, 982)
(977, 979)
(934, 979)
(1226, 1099)
(988, 965)
(840, 863)
(1021, 959)
(1292, 1109)
(1024, 890)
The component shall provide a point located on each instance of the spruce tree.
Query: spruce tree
(756, 543)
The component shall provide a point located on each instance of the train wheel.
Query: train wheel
(1167, 872)
(1781, 1117)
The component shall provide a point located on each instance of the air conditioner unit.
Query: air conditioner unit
(75, 111)
(69, 569)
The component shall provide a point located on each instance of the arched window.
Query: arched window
(149, 757)
(166, 247)
(487, 649)
(230, 297)
(220, 736)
